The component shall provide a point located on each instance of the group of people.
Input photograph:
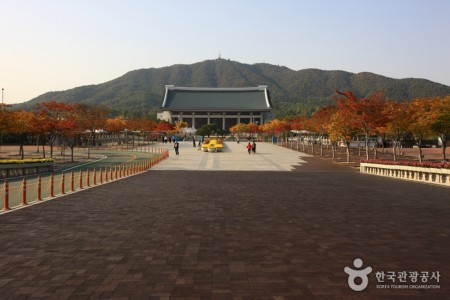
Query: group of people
(169, 139)
(251, 147)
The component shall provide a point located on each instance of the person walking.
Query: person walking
(254, 147)
(249, 148)
(176, 145)
(193, 141)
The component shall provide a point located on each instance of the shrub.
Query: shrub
(26, 161)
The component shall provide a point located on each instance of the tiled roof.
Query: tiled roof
(216, 99)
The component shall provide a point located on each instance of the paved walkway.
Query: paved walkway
(228, 235)
(235, 157)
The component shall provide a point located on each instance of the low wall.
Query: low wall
(419, 174)
(14, 170)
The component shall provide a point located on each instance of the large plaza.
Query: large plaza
(195, 227)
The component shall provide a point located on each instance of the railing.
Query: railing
(437, 176)
(42, 190)
(15, 170)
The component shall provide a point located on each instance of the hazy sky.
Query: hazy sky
(52, 45)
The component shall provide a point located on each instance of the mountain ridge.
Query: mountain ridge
(140, 92)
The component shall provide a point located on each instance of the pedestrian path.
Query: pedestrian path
(235, 157)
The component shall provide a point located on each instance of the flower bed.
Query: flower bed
(435, 173)
(23, 167)
(26, 161)
(440, 165)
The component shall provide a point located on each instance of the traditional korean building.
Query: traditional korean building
(224, 107)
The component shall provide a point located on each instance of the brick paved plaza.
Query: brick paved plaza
(182, 234)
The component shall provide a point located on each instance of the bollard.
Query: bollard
(72, 181)
(101, 175)
(95, 176)
(6, 199)
(39, 189)
(88, 179)
(24, 191)
(81, 180)
(63, 178)
(52, 187)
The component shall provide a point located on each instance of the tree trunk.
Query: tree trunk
(375, 152)
(333, 150)
(394, 146)
(348, 151)
(366, 141)
(71, 152)
(444, 146)
(359, 146)
(420, 154)
(51, 140)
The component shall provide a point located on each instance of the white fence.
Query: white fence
(419, 174)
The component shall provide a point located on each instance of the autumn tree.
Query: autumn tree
(341, 128)
(396, 126)
(93, 119)
(421, 117)
(52, 119)
(440, 125)
(319, 123)
(5, 120)
(365, 114)
(239, 129)
(163, 127)
(21, 124)
(253, 128)
(115, 126)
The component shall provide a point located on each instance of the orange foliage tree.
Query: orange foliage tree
(365, 114)
(22, 125)
(52, 120)
(440, 125)
(319, 123)
(239, 129)
(396, 127)
(421, 117)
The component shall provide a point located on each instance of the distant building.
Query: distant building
(224, 107)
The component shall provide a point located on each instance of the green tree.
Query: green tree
(207, 130)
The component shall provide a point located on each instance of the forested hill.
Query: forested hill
(140, 92)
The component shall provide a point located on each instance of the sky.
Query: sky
(54, 45)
